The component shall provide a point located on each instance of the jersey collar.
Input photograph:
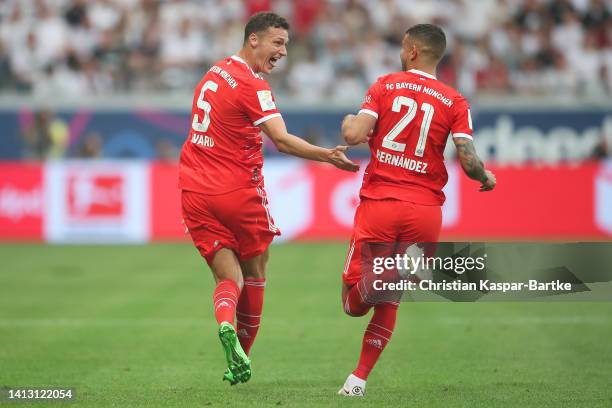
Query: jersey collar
(425, 74)
(237, 58)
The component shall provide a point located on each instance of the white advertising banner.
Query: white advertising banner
(101, 201)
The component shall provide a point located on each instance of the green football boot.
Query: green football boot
(228, 376)
(238, 364)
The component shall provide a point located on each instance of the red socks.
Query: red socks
(225, 299)
(248, 313)
(246, 306)
(376, 337)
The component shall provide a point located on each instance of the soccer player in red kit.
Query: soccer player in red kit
(223, 199)
(406, 119)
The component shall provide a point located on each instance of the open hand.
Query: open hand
(339, 159)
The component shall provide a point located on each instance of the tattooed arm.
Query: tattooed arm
(472, 165)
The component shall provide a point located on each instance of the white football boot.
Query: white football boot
(353, 387)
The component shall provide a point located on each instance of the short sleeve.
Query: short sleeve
(370, 103)
(258, 102)
(461, 119)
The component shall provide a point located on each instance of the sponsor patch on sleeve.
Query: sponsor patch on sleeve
(265, 100)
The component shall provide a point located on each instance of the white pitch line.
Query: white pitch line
(183, 322)
(527, 320)
(126, 322)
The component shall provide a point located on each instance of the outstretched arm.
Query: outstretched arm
(472, 165)
(287, 143)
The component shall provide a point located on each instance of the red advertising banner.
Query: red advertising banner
(21, 201)
(311, 201)
(138, 202)
(556, 203)
(165, 216)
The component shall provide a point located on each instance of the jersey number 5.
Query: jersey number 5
(205, 106)
(389, 140)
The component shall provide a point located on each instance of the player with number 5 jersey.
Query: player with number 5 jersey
(223, 151)
(406, 118)
(224, 203)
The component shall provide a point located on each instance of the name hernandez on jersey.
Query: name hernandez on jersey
(415, 113)
(223, 151)
(401, 161)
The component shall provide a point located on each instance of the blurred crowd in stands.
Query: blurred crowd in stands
(47, 136)
(93, 47)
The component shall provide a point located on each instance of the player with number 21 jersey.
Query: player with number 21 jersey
(406, 119)
(415, 114)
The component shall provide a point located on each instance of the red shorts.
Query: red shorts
(239, 220)
(389, 221)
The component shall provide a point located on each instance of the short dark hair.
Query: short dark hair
(262, 21)
(430, 36)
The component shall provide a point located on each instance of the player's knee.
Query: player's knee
(255, 270)
(355, 314)
(255, 274)
(355, 311)
(264, 258)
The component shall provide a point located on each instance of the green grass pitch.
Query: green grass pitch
(132, 326)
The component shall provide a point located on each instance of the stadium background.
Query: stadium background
(95, 101)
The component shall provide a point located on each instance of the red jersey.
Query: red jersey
(223, 151)
(415, 114)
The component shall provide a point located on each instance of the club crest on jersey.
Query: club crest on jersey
(202, 140)
(265, 100)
